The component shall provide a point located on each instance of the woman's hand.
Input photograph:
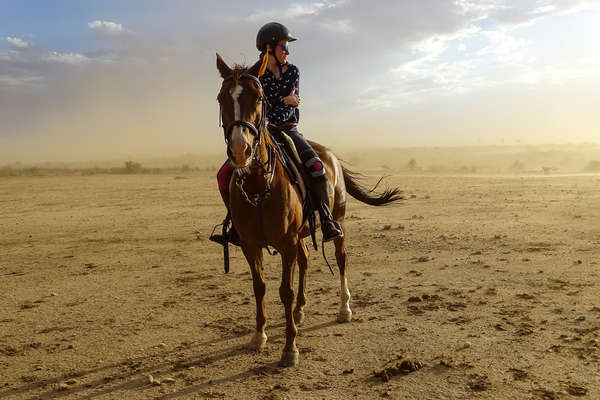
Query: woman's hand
(292, 99)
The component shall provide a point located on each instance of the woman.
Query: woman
(281, 84)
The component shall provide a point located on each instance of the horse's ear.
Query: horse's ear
(224, 70)
(253, 70)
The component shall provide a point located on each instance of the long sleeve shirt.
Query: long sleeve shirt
(275, 90)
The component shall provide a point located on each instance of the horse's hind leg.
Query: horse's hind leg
(301, 297)
(255, 260)
(345, 313)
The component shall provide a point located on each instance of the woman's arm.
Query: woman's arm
(293, 99)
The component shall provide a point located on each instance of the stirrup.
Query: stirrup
(220, 238)
(223, 239)
(334, 232)
(228, 234)
(225, 236)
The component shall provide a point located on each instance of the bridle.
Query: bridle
(269, 166)
(254, 199)
(255, 130)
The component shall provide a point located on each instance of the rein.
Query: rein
(269, 169)
(256, 199)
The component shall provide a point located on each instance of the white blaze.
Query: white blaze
(236, 133)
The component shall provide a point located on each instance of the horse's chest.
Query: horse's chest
(275, 214)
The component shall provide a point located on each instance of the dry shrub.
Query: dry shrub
(593, 166)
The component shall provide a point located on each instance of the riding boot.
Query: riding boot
(330, 229)
(231, 235)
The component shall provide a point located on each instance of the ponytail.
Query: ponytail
(263, 66)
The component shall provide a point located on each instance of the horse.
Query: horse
(266, 208)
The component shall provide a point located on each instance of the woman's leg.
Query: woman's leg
(319, 184)
(223, 178)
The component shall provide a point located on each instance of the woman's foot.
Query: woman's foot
(230, 236)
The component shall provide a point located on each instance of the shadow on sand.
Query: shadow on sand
(138, 379)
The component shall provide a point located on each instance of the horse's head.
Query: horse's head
(241, 100)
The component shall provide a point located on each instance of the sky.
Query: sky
(95, 79)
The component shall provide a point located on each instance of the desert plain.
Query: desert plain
(487, 283)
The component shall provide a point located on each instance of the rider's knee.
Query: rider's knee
(315, 167)
(224, 176)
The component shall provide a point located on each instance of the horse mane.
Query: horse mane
(237, 71)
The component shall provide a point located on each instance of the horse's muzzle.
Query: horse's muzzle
(241, 158)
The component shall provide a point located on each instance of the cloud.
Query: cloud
(26, 65)
(67, 58)
(292, 11)
(526, 12)
(17, 43)
(107, 29)
(500, 42)
(356, 59)
(438, 64)
(338, 26)
(20, 80)
(427, 71)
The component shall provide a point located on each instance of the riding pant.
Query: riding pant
(308, 155)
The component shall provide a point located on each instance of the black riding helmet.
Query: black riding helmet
(272, 33)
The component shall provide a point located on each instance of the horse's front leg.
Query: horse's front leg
(254, 255)
(286, 293)
(301, 297)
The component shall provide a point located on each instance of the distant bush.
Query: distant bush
(132, 167)
(412, 164)
(7, 171)
(593, 166)
(437, 168)
(517, 166)
(468, 170)
(24, 171)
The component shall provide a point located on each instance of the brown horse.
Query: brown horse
(266, 208)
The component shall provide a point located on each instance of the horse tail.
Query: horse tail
(364, 195)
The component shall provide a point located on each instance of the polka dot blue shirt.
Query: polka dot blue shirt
(276, 89)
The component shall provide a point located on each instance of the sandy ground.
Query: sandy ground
(489, 283)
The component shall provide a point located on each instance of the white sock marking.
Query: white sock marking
(345, 296)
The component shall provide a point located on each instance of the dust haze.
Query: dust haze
(161, 103)
(517, 159)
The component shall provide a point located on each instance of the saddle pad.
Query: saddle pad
(292, 148)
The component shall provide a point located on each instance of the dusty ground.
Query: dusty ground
(491, 283)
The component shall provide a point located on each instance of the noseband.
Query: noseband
(255, 130)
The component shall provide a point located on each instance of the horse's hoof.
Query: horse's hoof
(344, 316)
(258, 341)
(289, 359)
(299, 317)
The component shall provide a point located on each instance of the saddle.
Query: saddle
(297, 174)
